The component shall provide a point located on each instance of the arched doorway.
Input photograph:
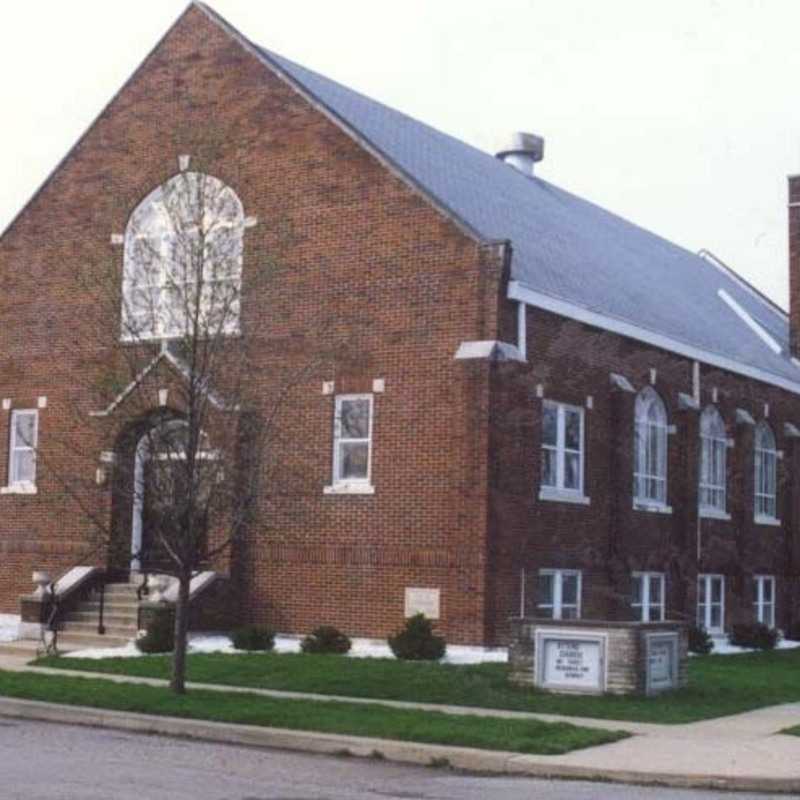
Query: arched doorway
(160, 482)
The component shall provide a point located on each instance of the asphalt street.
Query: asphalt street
(45, 761)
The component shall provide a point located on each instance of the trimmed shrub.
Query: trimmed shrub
(326, 639)
(699, 640)
(160, 634)
(754, 635)
(417, 641)
(253, 637)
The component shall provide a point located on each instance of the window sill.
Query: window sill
(349, 488)
(19, 488)
(562, 496)
(653, 508)
(771, 521)
(714, 513)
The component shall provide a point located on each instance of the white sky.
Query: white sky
(681, 115)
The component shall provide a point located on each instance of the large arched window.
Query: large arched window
(650, 449)
(183, 261)
(766, 477)
(713, 454)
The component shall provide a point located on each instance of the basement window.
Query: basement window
(765, 600)
(558, 594)
(648, 596)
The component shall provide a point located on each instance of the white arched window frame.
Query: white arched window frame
(183, 261)
(650, 450)
(713, 461)
(766, 474)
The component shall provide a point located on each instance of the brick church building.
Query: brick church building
(563, 414)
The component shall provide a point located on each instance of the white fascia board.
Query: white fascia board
(749, 321)
(521, 293)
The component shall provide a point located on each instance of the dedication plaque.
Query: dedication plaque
(662, 662)
(422, 601)
(573, 661)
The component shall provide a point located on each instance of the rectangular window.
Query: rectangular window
(557, 594)
(648, 596)
(352, 440)
(562, 447)
(711, 602)
(22, 450)
(765, 599)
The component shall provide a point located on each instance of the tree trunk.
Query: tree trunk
(178, 682)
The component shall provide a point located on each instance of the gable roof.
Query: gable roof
(570, 255)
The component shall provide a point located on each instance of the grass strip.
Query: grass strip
(492, 733)
(719, 685)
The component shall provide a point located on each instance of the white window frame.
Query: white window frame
(707, 579)
(557, 605)
(16, 486)
(560, 491)
(163, 283)
(340, 485)
(765, 490)
(713, 478)
(644, 608)
(643, 456)
(761, 606)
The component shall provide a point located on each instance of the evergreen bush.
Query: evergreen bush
(159, 636)
(253, 637)
(699, 640)
(326, 639)
(417, 641)
(755, 636)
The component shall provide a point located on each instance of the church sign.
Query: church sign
(661, 660)
(571, 660)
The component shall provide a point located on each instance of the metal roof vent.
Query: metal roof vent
(524, 150)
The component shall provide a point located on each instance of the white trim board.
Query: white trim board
(749, 321)
(521, 293)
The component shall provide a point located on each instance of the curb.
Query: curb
(460, 758)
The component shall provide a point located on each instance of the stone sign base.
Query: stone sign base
(595, 657)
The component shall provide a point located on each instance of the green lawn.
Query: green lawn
(719, 685)
(432, 727)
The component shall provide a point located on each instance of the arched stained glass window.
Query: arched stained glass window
(713, 455)
(650, 449)
(766, 472)
(183, 261)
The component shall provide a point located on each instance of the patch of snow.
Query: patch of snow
(722, 647)
(362, 648)
(9, 627)
(126, 651)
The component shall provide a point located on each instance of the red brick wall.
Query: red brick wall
(350, 268)
(609, 539)
(366, 277)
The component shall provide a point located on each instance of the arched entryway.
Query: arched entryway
(149, 492)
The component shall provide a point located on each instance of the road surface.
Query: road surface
(45, 761)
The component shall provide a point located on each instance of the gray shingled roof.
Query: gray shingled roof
(567, 248)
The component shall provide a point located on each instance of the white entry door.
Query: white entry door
(711, 602)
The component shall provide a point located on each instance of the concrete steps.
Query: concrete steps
(120, 614)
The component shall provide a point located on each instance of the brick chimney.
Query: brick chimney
(794, 265)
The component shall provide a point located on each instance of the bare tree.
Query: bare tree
(187, 442)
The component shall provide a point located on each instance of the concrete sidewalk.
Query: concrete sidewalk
(743, 752)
